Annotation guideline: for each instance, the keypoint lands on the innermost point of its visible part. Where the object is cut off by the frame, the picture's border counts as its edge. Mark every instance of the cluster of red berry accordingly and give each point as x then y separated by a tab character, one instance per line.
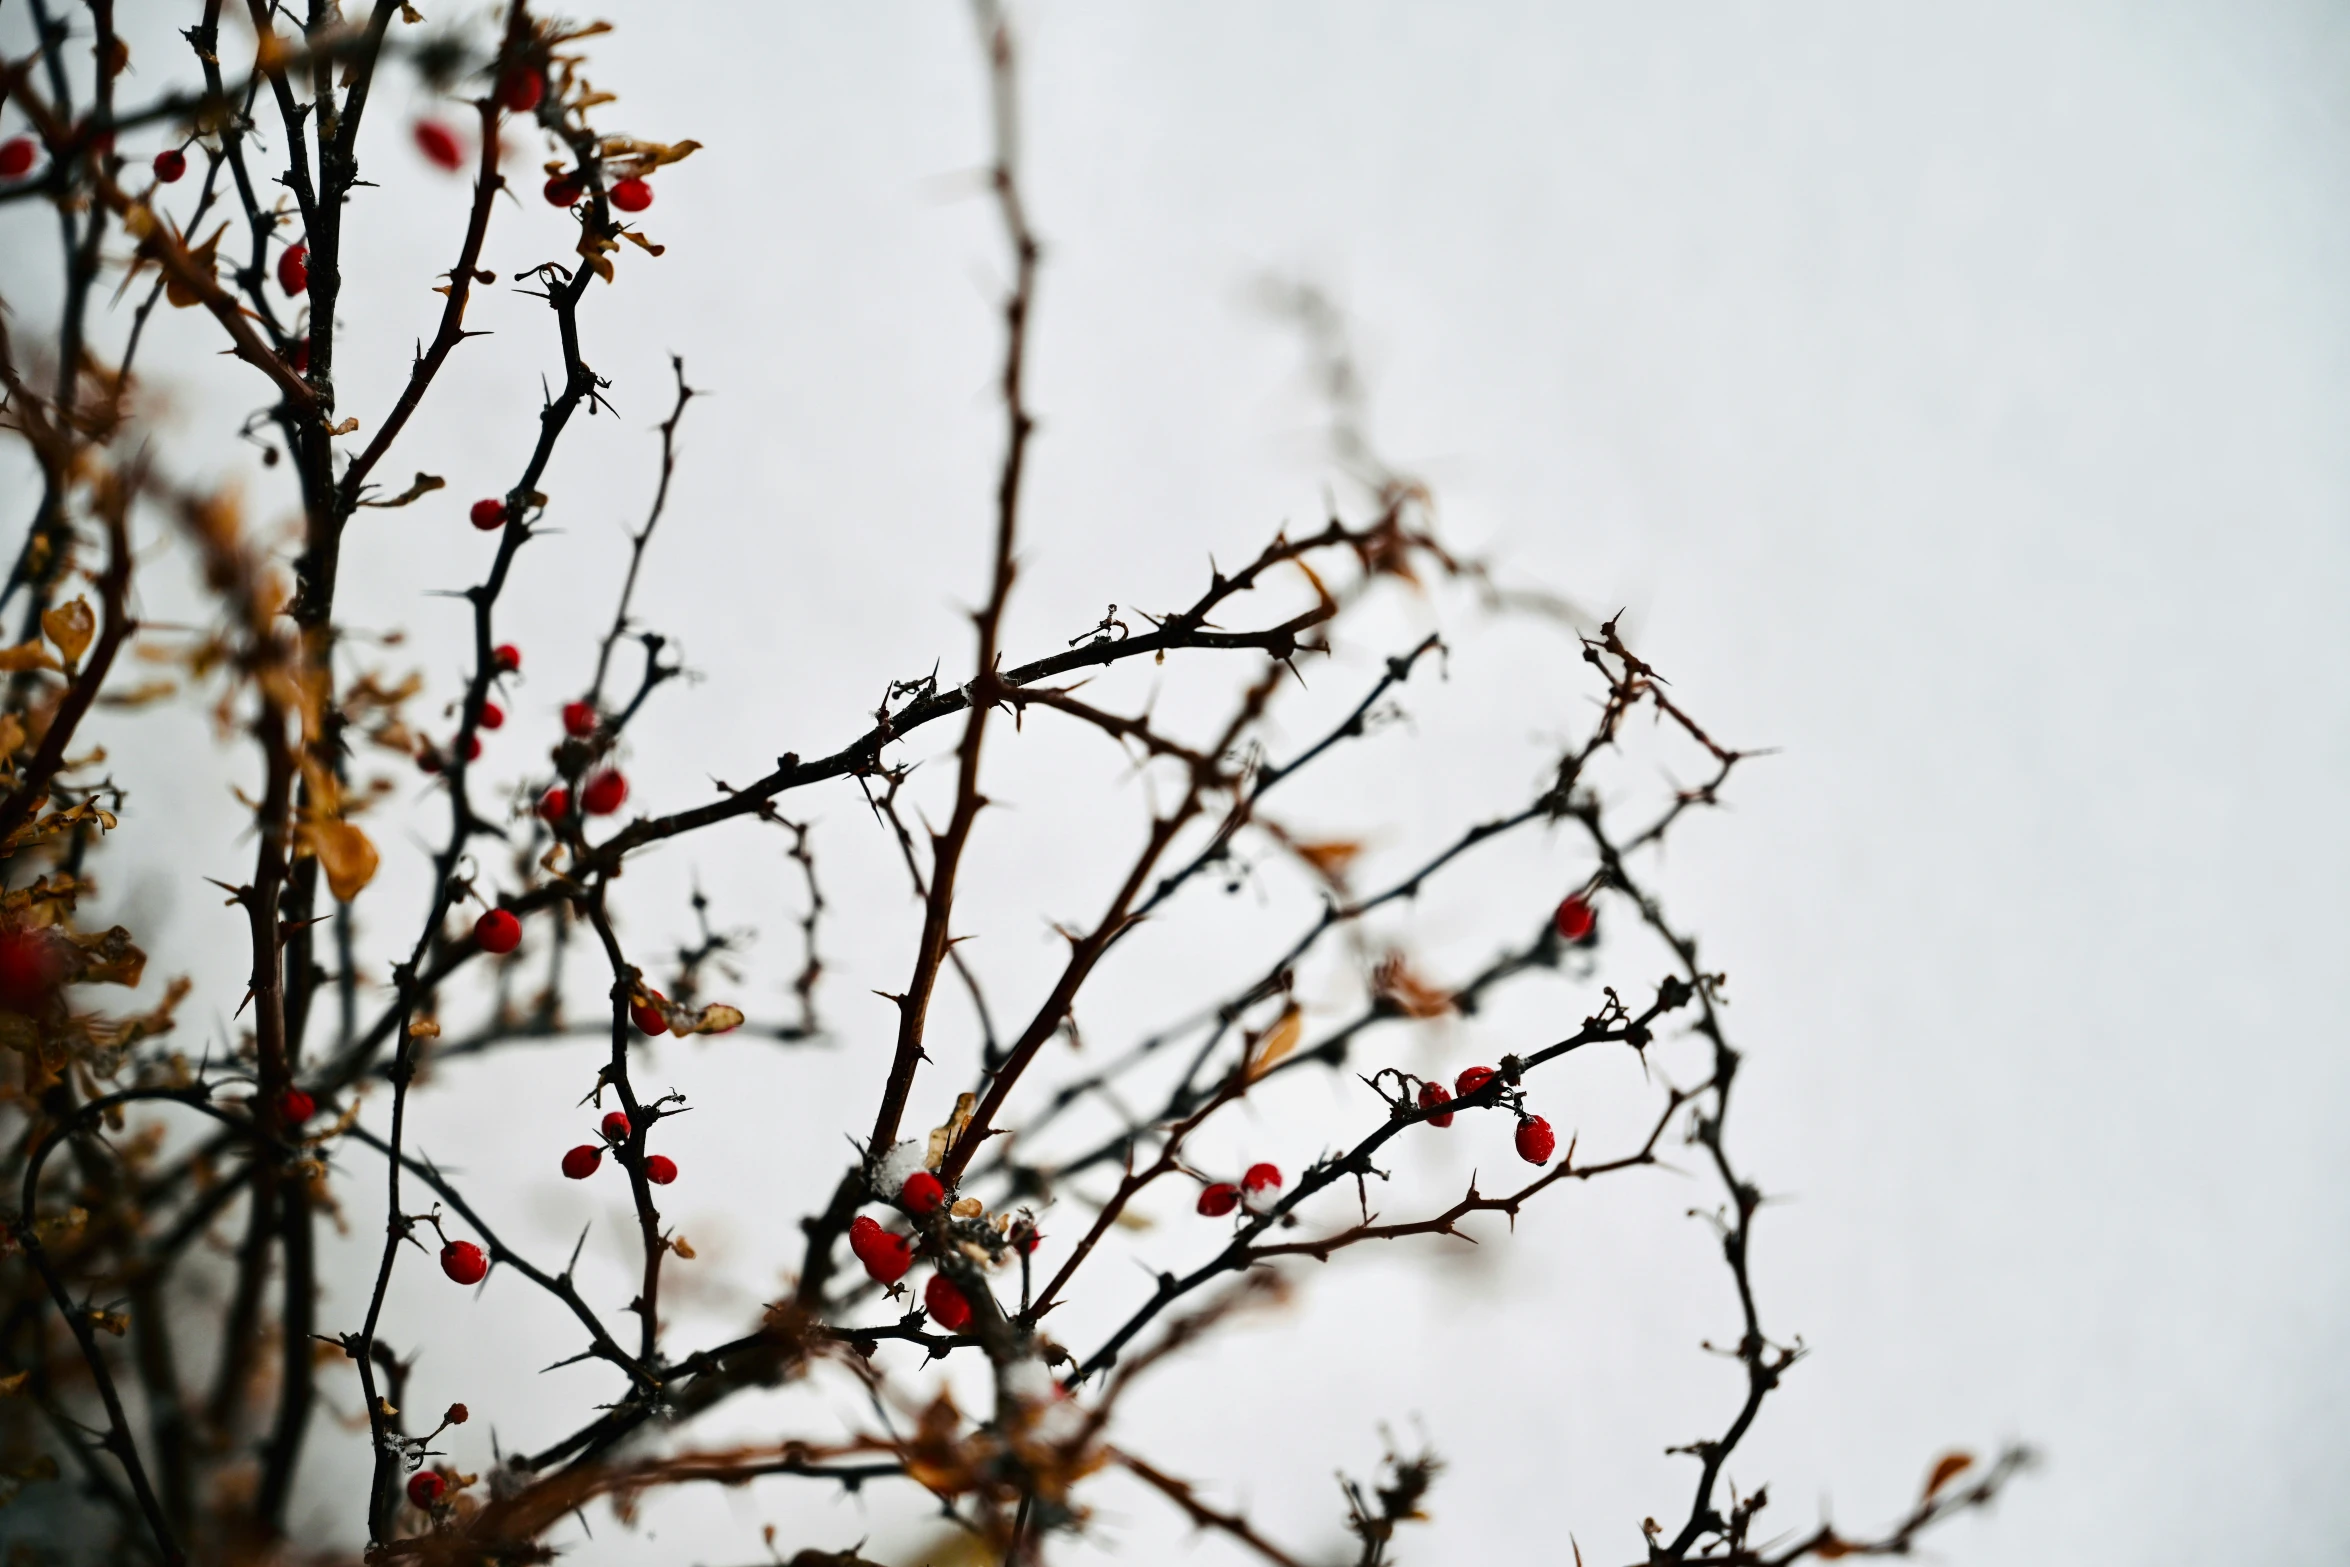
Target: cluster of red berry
582	1162
1536	1141
1221	1197
888	1256
605	790
17	155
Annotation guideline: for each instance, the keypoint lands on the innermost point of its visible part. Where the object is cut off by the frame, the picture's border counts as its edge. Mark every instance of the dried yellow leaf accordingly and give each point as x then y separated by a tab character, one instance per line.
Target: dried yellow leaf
346	855
25	655
1277	1041
715	1019
71	626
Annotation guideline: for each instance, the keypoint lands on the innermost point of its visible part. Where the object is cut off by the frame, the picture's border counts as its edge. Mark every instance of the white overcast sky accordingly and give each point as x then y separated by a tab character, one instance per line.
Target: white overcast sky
1954	397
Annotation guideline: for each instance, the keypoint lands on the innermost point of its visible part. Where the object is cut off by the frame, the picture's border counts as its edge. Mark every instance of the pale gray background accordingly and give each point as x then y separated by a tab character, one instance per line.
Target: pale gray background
1954	396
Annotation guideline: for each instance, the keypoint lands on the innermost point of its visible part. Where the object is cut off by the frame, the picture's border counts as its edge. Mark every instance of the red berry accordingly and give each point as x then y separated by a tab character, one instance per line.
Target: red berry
660	1169
458	1414
298	356
1473	1079
293	268
16	156
1575	919
555	803
564	190
425	1488
579	719
922	1192
428	760
473	748
170	164
605	793
581	1162
632	195
615	1127
492	716
1261	1177
1026	1240
294	1107
488	512
885	1254
521	89
498	931
648	1016
947	1306
32	966
438	144
1219	1199
507	657
464	1262
1536	1141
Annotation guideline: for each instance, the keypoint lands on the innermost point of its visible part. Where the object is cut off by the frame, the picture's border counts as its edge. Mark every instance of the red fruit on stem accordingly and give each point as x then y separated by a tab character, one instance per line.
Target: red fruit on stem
579	720
615	1127
947	1306
32	966
458	1414
498	931
581	1162
1219	1199
438	144
922	1192
294	1107
648	1016
170	164
428	760
492	716
632	195
1536	1141
521	89
1575	919
298	357
1026	1240
293	269
555	803
1473	1079
660	1169
464	1262
507	657
605	793
488	512
564	190
425	1488
473	748
886	1255
16	156
1261	1177
1436	1094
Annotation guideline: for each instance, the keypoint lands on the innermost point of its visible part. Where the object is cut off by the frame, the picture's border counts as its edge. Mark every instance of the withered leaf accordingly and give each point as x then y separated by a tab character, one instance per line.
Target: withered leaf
110	957
344	853
1946	1469
26	655
717	1018
1277	1041
71	626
